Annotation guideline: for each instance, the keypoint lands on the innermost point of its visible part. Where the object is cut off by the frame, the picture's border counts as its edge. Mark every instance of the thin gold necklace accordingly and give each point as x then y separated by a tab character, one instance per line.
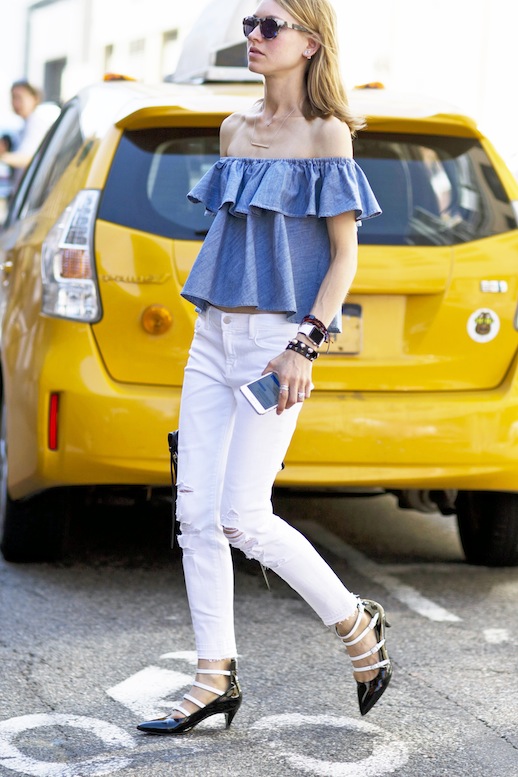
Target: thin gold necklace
254	142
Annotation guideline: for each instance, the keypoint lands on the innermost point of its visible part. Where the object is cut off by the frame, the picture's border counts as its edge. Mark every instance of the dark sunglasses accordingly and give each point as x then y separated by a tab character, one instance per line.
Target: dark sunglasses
268	26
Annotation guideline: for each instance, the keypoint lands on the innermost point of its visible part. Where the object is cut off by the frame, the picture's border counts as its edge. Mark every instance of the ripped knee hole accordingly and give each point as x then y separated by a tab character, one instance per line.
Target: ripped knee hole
232	533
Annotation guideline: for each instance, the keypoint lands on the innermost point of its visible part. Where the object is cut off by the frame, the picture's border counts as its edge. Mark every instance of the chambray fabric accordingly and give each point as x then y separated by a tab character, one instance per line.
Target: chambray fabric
268	245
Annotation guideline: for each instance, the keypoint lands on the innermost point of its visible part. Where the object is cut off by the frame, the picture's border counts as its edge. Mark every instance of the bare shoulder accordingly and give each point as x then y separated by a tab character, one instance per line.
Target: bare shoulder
228	129
334	137
233	121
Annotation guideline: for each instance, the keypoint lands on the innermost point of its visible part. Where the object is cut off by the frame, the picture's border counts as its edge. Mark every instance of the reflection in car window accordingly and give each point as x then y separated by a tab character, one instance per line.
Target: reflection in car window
64	144
159	167
433	190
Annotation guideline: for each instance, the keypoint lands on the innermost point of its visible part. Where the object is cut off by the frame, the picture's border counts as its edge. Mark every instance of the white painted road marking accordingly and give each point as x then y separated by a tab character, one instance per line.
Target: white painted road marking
388	755
13	758
496	636
182	655
405	593
145	692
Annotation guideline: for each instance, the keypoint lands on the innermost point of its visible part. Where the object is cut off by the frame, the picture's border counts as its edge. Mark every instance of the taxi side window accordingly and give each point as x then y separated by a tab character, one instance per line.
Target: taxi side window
62	146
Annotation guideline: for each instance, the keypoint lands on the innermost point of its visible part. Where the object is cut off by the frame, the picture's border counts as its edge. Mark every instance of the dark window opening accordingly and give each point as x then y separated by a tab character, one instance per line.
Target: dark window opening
232	56
52	78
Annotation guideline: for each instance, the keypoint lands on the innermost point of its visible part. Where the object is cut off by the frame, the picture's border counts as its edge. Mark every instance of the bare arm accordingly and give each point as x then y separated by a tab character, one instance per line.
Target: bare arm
15	159
342	268
293	369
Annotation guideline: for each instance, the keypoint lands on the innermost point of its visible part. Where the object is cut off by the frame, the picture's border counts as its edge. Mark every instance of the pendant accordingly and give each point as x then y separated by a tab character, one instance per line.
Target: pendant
259	145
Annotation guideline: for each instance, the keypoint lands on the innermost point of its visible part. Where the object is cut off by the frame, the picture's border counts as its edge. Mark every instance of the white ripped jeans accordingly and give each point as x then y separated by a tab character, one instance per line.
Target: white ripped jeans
228	457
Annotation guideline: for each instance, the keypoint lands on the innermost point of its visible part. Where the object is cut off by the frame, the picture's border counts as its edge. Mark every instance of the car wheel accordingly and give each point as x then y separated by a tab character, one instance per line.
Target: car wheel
30	529
488	527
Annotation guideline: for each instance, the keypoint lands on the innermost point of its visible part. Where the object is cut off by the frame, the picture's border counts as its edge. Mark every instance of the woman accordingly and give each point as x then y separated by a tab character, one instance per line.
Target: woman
38	117
272	274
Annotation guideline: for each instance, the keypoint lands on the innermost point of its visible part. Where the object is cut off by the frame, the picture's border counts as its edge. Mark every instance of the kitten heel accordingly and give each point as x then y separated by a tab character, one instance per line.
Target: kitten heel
370	691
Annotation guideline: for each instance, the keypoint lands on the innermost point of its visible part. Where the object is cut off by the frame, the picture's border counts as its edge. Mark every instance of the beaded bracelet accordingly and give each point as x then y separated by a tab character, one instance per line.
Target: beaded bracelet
305	350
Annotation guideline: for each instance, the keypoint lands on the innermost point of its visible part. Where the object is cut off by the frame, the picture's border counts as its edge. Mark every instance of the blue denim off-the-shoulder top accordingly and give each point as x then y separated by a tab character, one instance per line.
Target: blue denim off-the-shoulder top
268	245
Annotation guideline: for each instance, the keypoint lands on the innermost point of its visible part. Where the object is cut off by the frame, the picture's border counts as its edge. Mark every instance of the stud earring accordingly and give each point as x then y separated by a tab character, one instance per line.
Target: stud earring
307	54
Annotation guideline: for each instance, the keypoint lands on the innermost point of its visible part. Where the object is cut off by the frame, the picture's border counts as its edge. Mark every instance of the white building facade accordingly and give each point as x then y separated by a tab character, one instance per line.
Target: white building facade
67	44
462	51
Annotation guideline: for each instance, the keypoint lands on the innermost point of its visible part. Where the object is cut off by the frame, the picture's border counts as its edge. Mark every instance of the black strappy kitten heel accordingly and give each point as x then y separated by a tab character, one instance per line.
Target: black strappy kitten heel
369	691
227	703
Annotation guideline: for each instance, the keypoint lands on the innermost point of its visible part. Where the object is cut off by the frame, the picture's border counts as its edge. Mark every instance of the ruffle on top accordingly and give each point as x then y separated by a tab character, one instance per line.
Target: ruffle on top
268	245
321	187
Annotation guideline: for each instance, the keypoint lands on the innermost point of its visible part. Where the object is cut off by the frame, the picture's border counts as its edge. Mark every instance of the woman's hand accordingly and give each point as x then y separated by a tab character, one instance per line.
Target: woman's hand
294	372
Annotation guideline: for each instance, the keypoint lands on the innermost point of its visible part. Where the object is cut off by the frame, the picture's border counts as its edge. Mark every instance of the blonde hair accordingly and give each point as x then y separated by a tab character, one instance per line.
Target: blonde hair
326	95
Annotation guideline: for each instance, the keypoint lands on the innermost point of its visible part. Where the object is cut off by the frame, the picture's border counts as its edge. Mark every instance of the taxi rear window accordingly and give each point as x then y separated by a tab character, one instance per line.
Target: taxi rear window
433	190
151	174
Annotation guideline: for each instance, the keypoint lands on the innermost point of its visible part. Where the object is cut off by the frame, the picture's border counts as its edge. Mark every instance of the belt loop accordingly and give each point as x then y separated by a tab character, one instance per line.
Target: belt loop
211	317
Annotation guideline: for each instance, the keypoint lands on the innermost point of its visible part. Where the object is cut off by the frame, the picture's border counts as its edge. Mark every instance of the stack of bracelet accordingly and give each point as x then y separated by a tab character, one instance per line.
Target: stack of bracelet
318	332
315	331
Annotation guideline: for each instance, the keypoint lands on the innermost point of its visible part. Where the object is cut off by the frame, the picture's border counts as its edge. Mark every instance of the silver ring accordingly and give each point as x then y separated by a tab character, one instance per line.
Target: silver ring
301	396
284	387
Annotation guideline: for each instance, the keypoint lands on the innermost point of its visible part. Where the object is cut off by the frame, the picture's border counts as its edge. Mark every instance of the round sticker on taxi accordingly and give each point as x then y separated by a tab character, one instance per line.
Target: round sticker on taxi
483	325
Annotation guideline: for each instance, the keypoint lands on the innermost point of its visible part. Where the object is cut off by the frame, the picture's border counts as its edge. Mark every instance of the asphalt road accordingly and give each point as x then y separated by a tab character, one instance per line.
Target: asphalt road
92	645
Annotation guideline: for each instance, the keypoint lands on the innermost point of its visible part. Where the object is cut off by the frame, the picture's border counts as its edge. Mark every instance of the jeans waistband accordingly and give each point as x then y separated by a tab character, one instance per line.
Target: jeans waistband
243	322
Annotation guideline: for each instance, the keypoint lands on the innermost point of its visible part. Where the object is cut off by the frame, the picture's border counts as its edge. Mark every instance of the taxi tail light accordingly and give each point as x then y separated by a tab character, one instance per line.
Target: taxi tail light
53	422
70	288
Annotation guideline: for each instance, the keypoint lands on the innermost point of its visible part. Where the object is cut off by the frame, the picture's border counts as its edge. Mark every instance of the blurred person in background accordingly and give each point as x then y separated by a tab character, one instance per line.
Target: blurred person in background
38	117
6	176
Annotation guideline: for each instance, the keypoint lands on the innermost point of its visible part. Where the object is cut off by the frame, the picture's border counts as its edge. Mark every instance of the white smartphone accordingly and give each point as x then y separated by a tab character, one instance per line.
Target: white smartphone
263	393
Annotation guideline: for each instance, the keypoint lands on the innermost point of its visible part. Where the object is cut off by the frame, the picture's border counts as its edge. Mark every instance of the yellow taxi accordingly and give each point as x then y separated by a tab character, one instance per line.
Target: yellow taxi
418	395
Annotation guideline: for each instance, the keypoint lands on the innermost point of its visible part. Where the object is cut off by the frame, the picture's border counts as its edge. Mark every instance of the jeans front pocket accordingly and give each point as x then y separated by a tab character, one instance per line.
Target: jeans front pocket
274	339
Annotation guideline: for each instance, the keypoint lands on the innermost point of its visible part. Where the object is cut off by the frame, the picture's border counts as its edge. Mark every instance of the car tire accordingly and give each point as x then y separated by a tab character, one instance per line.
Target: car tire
488	527
31	529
